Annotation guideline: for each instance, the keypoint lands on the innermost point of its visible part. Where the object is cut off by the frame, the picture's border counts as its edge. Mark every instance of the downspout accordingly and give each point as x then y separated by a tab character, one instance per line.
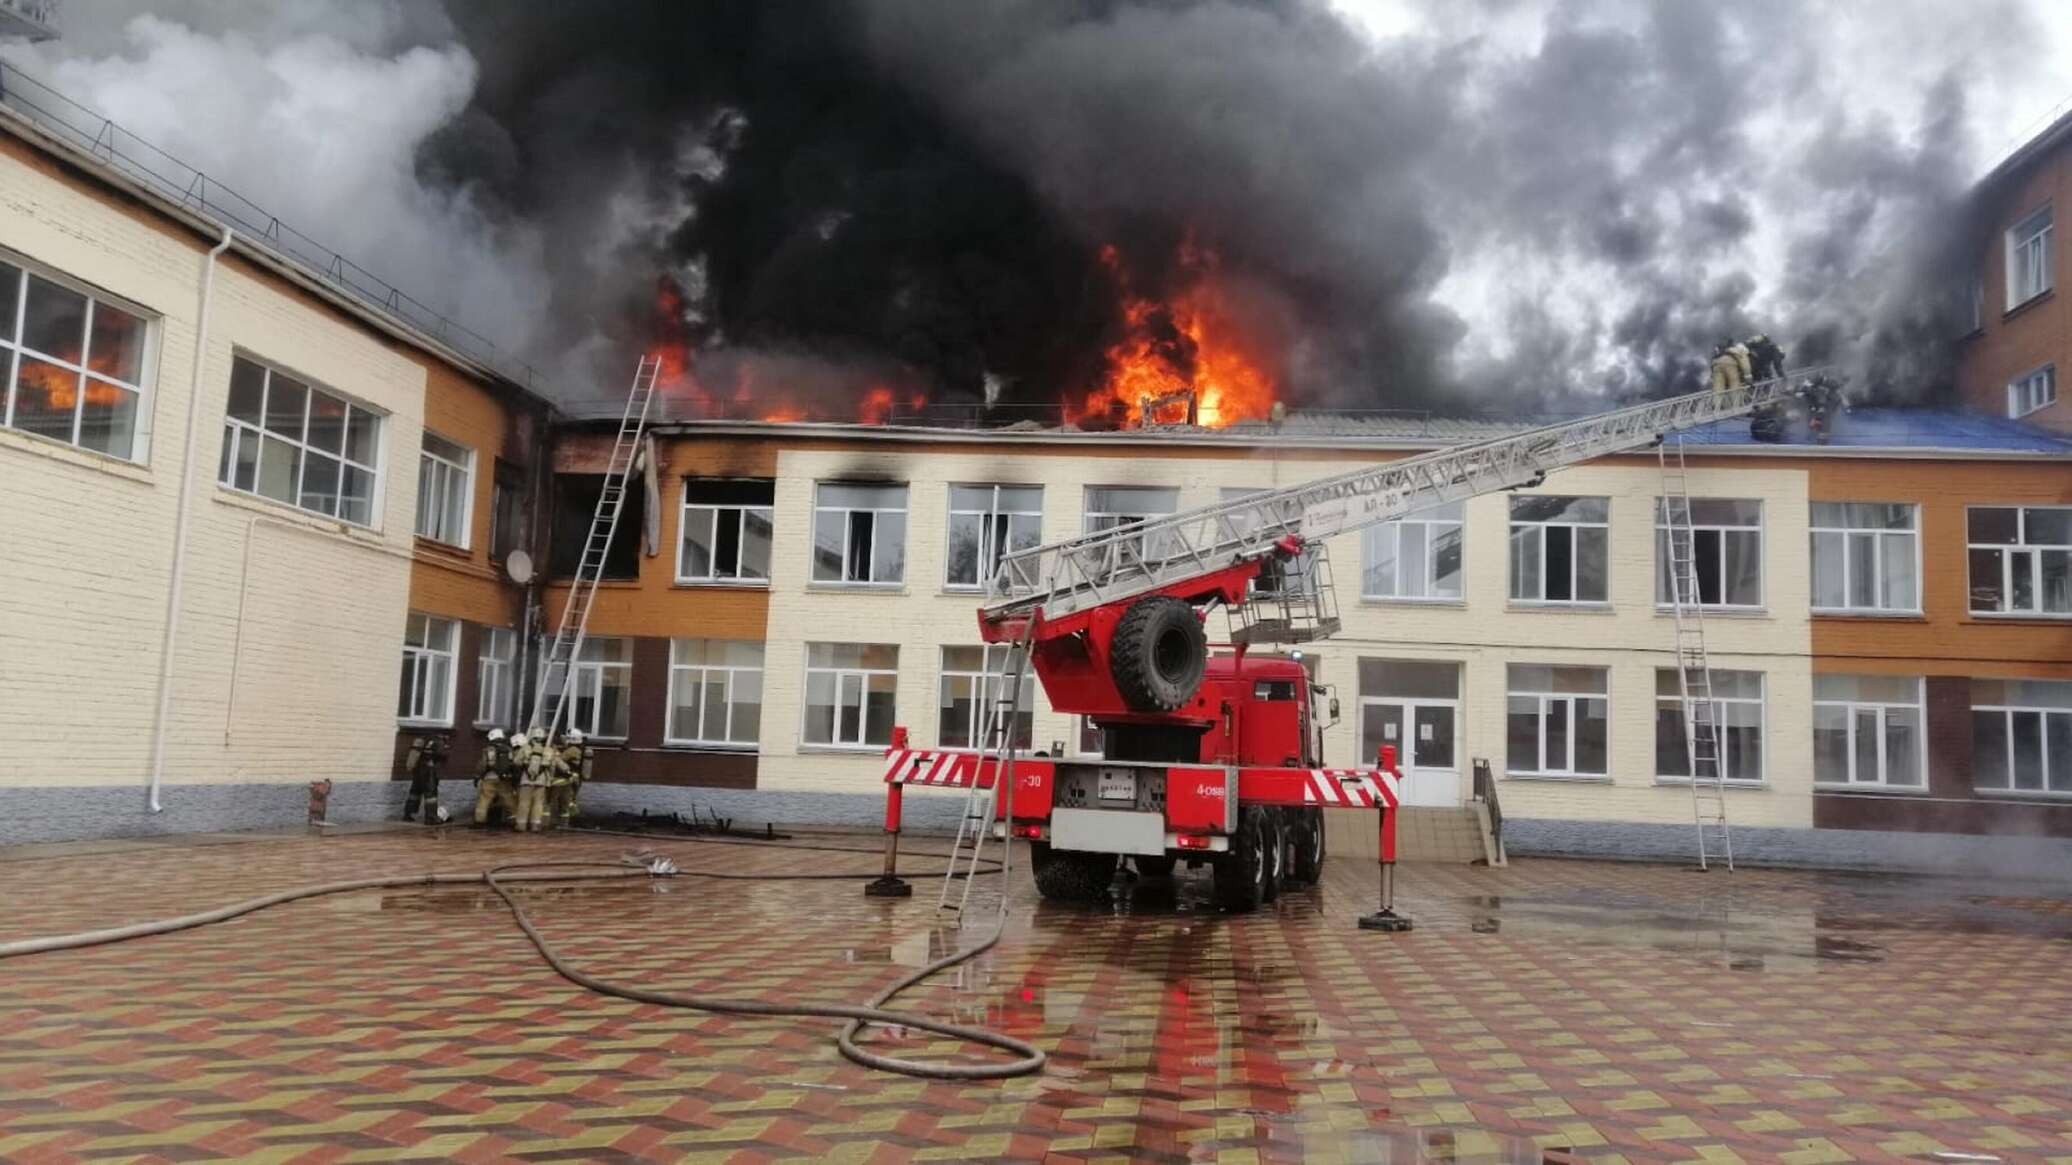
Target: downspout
182	520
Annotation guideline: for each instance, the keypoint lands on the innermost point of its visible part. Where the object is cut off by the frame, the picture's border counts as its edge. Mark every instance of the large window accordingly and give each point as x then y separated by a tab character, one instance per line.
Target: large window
1866	557
2037	390
850	693
2021	560
445	490
1557	721
1417	557
2029	259
964	701
726	532
987	522
74	364
1737	697
2021	735
1560	550
859	534
1726	549
576	500
715	692
1867	730
297	444
1109	506
601	688
495	675
429	646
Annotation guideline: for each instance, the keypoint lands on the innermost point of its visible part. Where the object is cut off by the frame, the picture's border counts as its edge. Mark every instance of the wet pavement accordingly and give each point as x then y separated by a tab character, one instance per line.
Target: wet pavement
1552	1010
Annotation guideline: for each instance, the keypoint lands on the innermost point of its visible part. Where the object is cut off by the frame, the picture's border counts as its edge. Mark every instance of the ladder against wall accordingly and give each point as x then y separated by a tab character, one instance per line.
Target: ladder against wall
1702	745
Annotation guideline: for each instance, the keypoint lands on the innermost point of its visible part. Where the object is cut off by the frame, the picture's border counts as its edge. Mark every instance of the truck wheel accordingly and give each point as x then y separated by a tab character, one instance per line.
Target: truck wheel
1159	654
1241	876
1071	875
1309	847
1273	839
1155	867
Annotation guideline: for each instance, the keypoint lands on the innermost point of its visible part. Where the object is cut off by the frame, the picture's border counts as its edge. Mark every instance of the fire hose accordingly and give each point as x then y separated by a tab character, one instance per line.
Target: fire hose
500	878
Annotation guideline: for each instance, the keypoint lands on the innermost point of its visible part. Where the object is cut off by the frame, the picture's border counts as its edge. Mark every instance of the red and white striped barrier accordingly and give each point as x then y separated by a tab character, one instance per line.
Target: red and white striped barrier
1352	788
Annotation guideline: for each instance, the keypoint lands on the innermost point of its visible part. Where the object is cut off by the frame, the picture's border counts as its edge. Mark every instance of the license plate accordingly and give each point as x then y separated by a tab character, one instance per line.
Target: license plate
1117	787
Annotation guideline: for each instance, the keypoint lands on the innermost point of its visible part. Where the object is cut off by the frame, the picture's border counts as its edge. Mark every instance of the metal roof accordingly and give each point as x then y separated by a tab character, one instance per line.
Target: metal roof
1909	430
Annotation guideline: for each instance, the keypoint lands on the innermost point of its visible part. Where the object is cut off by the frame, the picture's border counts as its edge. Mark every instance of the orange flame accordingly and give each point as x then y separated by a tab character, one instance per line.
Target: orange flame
1188	344
60	387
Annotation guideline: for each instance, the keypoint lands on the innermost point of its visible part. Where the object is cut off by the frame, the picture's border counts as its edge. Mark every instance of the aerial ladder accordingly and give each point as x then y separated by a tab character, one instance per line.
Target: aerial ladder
1216	759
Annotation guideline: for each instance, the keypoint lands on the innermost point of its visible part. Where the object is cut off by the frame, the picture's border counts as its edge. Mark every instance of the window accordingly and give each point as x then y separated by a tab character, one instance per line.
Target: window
1866	557
495	694
445	490
1976	294
1738	697
576	496
1557	721
726	532
1726	550
1867	730
2021	735
297	444
1109	506
850	689
2028	259
2037	390
2021	560
600	687
1560	549
859	534
715	692
1415	557
1091	740
429	646
987	522
507	512
964	701
74	365
1412	706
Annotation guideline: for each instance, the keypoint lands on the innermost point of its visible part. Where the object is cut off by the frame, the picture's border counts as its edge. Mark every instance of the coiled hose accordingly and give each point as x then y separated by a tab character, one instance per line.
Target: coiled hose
1028	1059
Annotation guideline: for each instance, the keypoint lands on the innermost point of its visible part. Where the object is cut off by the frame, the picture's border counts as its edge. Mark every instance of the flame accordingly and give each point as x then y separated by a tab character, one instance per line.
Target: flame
1187	344
60	387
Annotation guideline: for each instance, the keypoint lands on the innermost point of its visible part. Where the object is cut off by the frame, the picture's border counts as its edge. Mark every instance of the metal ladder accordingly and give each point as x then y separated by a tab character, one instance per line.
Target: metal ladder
550	703
981	804
1693	666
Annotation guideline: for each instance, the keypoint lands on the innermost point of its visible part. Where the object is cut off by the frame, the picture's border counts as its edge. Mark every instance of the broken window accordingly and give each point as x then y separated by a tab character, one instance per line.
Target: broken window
575	504
1726	550
726	531
859	534
1560	549
987	522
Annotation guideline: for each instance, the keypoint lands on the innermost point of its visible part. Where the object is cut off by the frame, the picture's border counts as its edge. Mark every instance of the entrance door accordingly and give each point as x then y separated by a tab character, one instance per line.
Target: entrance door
1423	733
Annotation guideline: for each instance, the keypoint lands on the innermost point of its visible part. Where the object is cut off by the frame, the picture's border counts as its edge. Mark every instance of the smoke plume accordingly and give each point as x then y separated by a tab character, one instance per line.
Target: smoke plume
1496	204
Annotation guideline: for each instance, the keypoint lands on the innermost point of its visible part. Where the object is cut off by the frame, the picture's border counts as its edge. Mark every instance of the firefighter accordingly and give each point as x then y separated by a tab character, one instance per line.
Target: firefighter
495	789
1730	366
422	763
535	774
569	776
1766	359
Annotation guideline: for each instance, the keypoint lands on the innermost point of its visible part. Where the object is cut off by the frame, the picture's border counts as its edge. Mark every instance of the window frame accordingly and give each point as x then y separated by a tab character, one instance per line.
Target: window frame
2043	714
2003	551
1849	709
1430	529
1570	773
604	669
421	658
2020	237
863	743
1762	728
445	467
904	510
741	512
1092	521
1574	559
992	655
1759	530
988	552
494	674
236	431
678	670
1877	534
12	350
2019	394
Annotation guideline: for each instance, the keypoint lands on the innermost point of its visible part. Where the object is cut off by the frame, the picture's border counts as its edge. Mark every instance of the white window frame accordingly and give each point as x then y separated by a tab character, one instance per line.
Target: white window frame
589	675
2030	239
237	431
1876	534
1093	521
2007	553
1762	728
439	480
736	512
992	521
862	676
2008	712
878	513
1429	530
1575	559
681	672
13	350
1881	709
2032	391
1545	699
496	666
429	707
1757	531
1977	294
983	684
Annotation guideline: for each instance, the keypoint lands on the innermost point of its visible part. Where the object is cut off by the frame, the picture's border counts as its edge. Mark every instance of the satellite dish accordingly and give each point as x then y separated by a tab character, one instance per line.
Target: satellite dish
519	566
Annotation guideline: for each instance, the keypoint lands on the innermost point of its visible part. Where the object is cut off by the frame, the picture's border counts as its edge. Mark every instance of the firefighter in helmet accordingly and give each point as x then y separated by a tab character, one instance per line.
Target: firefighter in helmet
535	775
1730	366
1766	359
422	763
495	789
569	776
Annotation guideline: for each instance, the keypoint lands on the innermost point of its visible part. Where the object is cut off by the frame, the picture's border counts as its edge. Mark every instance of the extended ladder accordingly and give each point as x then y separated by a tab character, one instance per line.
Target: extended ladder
1004	700
550	703
1702	745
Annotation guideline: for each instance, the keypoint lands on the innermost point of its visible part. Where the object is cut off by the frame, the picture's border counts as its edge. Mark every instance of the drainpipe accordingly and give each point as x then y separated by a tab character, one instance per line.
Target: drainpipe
183	518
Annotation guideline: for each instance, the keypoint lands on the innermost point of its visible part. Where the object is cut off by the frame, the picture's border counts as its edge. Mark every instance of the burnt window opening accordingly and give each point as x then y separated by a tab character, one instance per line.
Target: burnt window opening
508	512
575	503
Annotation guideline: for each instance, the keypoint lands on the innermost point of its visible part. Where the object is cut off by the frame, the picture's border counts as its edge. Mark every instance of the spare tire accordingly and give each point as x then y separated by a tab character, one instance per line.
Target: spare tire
1159	655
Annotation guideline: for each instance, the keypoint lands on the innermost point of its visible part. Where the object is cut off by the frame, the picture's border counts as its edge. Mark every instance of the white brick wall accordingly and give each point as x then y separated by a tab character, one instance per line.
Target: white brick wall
88	541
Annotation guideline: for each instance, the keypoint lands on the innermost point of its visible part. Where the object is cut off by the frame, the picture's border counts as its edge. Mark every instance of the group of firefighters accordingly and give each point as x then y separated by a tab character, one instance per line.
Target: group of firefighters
1750	361
528	780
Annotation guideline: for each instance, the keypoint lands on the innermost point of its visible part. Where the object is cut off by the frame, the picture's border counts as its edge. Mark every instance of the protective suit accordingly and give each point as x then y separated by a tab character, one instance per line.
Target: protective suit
1766	359
569	776
535	776
422	763
1731	367
495	784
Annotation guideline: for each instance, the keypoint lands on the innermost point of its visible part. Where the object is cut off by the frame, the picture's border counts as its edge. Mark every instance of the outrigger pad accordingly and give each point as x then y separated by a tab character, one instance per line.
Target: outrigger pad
1385	920
887	887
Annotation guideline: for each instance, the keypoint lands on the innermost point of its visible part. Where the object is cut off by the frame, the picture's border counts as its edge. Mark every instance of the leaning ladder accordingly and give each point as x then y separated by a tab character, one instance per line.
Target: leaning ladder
550	704
1693	666
982	799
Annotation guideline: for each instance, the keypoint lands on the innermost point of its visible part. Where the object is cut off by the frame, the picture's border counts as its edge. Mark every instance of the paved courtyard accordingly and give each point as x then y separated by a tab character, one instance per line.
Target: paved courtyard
1619	1013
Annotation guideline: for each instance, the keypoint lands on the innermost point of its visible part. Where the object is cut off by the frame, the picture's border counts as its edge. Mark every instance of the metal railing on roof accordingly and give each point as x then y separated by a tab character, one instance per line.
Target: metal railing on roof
193	189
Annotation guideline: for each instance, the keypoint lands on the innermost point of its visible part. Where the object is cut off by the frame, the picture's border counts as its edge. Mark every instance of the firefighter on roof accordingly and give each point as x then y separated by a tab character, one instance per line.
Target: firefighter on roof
1730	366
1766	359
495	785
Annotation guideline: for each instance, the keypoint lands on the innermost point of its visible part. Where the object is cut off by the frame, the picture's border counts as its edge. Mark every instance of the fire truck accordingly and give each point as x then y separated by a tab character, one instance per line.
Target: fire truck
1213	754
